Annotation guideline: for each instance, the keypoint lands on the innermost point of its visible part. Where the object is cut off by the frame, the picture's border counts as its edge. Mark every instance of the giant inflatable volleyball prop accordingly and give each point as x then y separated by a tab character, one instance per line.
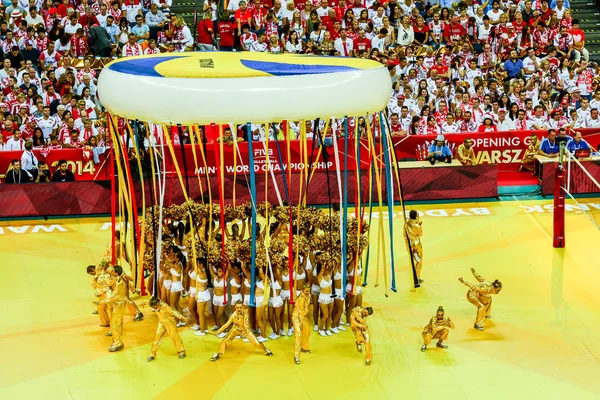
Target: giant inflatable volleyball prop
165	95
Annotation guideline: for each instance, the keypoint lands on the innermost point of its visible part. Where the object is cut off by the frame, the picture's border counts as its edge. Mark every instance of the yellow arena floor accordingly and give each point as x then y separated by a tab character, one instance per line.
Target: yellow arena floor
542	343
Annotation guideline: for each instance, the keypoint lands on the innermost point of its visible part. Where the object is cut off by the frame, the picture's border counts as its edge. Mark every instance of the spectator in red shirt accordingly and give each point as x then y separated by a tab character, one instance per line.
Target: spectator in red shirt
78	44
362	44
226	33
454	32
242	16
88	19
206	33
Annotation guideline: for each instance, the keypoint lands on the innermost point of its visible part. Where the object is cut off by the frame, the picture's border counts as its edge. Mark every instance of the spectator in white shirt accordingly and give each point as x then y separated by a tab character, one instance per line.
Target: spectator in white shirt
15	142
344	45
531	63
449	126
504	124
593	120
538	121
378	42
259	45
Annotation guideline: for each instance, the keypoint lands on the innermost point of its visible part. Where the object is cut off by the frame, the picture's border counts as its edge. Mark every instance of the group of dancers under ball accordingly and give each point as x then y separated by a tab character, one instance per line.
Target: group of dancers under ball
204	274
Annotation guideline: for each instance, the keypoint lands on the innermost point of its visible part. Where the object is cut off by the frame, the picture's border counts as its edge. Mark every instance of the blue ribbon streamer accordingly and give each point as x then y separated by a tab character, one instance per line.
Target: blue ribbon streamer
345	210
390	197
253	223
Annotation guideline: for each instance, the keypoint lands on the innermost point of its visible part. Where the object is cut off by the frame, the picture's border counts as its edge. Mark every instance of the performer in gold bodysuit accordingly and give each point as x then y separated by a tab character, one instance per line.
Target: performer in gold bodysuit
118	300
240	326
101	283
300	323
167	323
479	295
528	160
358	324
413	231
465	153
437	328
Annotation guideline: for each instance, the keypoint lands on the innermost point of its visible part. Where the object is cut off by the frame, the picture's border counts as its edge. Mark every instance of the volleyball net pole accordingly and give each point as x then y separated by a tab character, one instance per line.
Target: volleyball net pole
558	238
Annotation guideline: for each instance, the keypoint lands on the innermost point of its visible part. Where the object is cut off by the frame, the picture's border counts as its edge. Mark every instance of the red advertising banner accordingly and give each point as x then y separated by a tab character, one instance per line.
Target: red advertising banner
503	148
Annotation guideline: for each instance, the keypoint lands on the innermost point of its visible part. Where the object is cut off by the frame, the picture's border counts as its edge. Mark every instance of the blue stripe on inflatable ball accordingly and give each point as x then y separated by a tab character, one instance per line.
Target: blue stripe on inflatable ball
141	66
281	69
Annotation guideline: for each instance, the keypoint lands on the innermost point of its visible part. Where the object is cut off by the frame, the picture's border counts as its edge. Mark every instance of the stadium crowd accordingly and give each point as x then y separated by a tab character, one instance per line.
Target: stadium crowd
455	67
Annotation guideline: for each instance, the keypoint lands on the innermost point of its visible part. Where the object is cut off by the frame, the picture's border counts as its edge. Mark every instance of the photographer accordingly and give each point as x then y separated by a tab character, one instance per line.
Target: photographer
43	173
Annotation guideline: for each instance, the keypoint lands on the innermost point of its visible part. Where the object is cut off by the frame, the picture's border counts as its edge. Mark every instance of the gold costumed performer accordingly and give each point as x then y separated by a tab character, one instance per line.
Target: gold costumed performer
240	326
101	283
358	324
118	300
437	328
300	323
479	295
167	323
413	231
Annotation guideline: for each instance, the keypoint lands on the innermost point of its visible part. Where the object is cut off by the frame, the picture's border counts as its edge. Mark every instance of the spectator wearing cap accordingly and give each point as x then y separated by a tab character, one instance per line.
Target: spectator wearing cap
30	53
14	10
557	120
439	151
504	123
488	124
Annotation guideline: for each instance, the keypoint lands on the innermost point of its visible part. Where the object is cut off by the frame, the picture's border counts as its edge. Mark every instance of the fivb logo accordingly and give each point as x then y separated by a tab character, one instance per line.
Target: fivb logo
262	153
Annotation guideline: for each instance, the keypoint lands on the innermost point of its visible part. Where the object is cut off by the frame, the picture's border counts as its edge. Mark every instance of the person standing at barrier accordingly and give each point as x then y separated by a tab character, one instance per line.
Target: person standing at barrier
360	328
437	328
413	232
479	295
29	162
167	323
